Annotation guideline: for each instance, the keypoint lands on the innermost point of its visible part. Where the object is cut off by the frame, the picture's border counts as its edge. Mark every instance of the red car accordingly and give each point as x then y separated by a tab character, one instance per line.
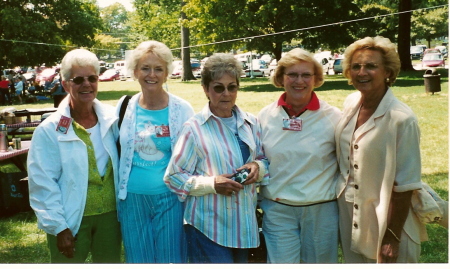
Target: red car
110	75
46	76
433	60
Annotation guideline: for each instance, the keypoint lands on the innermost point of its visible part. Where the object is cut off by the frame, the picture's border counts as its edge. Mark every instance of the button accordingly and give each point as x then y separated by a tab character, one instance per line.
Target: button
356	187
355	147
355	206
355	166
355	225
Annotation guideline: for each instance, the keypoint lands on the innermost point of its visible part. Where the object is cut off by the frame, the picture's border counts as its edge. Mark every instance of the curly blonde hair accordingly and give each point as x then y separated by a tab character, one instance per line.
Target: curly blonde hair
293	57
391	60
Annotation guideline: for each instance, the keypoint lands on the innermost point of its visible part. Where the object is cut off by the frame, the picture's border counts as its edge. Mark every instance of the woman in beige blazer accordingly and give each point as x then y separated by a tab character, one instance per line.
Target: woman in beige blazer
378	151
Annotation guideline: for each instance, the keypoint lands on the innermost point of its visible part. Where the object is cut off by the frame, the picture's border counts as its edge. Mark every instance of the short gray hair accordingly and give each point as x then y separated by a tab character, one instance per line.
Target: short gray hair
78	57
219	64
157	48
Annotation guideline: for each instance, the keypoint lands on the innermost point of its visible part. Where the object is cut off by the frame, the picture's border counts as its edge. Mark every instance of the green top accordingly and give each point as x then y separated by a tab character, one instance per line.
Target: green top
100	195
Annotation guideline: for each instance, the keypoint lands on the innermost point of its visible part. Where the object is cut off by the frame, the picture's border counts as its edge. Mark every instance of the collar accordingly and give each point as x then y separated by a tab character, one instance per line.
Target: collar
312	105
242	116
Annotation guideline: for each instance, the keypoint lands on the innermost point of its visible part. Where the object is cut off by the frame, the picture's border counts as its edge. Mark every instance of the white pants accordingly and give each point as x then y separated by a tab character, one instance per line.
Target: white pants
300	234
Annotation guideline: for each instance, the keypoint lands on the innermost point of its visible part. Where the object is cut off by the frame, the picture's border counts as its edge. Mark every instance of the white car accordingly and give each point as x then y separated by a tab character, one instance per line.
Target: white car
260	69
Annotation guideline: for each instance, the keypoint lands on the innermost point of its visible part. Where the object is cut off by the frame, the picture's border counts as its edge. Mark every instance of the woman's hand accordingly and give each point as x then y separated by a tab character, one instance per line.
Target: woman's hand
254	172
389	249
226	186
66	243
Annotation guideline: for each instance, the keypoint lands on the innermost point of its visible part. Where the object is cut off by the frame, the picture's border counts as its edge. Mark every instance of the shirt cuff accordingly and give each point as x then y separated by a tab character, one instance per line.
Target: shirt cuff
408	187
202	186
262	170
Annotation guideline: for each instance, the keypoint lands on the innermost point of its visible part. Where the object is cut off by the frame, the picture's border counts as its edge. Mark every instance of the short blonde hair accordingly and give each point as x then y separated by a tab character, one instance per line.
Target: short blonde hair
294	57
157	48
389	55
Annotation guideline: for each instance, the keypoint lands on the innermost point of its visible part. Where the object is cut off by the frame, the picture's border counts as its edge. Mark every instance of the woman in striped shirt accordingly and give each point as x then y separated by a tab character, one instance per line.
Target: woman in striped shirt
220	221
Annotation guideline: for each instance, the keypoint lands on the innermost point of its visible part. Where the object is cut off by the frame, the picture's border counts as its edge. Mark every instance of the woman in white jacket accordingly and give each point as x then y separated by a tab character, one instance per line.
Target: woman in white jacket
72	169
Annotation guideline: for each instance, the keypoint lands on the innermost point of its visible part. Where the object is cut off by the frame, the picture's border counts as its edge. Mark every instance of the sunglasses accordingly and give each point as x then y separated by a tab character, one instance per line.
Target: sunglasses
221	88
80	80
369	66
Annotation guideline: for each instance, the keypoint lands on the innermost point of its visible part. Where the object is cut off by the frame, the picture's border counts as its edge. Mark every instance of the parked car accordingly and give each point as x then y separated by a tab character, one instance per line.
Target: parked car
47	75
337	66
177	72
416	52
431	51
110	75
324	58
260	69
443	50
196	67
433	60
272	66
424	47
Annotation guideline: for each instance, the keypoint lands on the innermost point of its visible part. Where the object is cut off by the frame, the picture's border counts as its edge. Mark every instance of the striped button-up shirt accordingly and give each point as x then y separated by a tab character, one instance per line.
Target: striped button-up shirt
207	148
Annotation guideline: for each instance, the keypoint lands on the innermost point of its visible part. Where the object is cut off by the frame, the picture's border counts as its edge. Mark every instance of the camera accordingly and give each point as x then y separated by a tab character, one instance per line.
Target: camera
241	176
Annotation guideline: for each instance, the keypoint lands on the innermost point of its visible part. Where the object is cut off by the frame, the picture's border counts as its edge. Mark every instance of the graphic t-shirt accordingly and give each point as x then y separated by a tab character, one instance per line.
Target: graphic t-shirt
152	152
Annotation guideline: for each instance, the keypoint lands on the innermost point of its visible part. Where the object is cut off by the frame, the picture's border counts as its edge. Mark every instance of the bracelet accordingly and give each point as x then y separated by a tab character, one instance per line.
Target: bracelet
396	237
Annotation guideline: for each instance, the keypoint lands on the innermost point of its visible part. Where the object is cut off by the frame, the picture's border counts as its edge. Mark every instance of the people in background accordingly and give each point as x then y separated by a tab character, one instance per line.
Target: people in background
220	220
19	88
57	91
300	222
379	158
73	170
151	216
4	91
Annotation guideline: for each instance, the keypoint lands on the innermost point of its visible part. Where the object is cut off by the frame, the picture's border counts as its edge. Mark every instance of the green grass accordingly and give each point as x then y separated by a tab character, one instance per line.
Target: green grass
22	242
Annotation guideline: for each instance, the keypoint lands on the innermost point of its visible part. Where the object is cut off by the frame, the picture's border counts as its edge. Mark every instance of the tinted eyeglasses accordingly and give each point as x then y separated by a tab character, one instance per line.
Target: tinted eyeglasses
80	80
369	66
305	76
221	88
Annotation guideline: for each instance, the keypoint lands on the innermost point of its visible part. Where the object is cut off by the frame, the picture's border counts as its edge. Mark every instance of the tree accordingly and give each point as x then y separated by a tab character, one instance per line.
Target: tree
185	50
404	34
161	20
34	32
265	25
430	24
106	45
116	24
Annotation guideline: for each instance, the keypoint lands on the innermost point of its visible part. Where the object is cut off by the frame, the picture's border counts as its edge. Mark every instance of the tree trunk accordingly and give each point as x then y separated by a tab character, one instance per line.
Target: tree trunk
278	50
186	75
404	35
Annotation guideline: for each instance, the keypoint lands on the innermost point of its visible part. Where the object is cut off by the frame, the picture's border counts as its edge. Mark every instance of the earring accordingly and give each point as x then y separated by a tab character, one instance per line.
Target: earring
386	80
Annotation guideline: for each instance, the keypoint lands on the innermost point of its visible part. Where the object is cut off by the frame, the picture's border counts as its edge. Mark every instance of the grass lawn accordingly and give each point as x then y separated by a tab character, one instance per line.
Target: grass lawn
22	242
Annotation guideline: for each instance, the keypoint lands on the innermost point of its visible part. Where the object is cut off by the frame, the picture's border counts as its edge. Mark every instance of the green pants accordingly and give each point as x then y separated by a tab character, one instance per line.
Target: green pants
98	234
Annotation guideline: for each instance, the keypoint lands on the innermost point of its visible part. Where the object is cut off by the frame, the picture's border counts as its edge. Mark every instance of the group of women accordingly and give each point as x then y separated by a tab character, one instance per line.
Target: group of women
169	193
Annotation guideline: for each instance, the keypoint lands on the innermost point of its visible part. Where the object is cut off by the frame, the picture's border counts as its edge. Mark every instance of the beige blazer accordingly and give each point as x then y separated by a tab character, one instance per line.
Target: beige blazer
386	155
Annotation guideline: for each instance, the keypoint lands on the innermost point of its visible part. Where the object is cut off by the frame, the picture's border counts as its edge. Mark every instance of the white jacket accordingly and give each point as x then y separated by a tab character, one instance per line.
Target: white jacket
58	169
179	112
